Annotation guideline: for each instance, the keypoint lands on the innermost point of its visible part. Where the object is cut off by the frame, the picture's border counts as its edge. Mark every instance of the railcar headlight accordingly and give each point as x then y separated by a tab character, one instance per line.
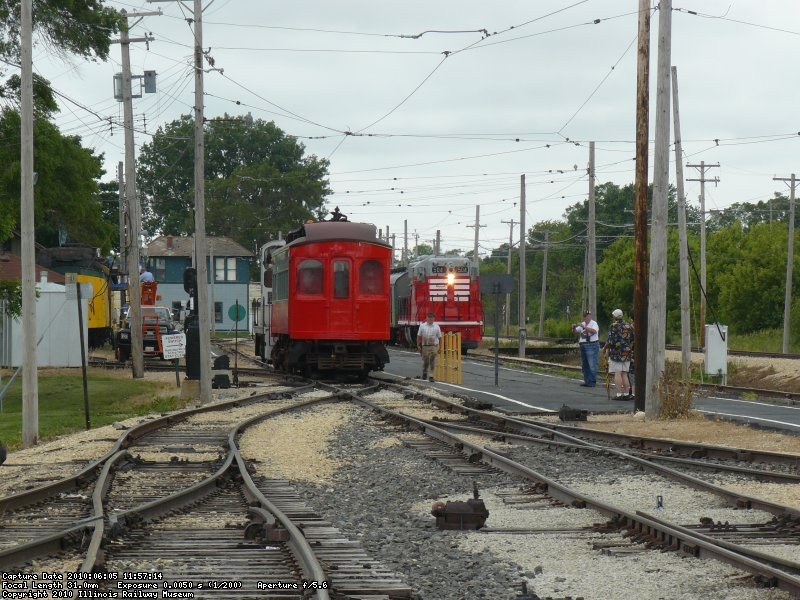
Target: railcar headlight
451	278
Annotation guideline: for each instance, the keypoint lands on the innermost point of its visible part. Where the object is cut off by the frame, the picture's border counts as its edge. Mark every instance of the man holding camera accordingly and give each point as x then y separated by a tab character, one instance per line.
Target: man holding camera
589	344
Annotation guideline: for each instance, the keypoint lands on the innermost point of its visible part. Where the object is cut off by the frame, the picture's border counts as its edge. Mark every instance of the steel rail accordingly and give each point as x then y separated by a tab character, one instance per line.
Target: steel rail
776	476
754	554
126	439
98	502
666	535
310	566
741	500
792	566
98	472
698	449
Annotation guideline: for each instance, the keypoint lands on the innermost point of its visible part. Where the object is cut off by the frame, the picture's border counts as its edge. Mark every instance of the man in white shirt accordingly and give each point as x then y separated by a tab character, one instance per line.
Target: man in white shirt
428	337
590	348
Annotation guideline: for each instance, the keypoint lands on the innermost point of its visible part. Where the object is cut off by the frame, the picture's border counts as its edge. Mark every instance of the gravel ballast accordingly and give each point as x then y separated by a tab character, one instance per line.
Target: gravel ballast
381	494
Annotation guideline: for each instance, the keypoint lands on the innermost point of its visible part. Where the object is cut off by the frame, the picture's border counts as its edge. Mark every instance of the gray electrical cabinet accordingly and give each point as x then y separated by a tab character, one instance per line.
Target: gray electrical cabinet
716	358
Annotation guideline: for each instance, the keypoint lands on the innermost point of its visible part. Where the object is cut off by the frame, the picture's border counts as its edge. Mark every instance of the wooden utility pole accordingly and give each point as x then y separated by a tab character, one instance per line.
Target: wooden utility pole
656	332
123	212
640	207
30	363
703	166
523	331
405	243
200	210
508	272
477	227
591	242
438	243
132	200
686	342
544	283
787	300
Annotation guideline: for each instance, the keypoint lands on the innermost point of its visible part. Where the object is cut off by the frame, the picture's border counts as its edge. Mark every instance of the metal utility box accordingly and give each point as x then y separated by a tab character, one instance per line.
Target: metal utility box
716	357
149	82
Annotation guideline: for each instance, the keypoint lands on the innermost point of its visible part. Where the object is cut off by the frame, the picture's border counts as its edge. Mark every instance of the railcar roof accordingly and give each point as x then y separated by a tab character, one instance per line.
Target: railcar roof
339	230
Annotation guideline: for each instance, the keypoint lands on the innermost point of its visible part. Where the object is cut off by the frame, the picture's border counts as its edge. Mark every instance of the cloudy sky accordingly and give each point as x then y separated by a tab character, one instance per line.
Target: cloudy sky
426	110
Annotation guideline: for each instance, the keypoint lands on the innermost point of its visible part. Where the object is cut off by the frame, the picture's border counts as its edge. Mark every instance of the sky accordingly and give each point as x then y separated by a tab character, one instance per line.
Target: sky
427	110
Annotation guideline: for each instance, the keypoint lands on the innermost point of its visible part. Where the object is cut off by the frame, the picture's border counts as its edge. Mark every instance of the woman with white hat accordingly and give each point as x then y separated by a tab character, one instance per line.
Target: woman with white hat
620	348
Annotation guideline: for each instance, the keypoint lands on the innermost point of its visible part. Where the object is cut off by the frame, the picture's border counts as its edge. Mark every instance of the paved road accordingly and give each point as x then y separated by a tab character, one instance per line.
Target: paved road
519	391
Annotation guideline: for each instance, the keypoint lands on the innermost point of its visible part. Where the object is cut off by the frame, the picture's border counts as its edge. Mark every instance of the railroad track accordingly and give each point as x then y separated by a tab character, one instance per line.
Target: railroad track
706	536
173	507
178	496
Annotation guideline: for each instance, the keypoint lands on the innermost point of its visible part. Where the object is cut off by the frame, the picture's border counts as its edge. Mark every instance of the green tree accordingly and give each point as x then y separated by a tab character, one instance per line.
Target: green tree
748	214
66	191
748	275
565	257
80	27
255	175
11	297
66	187
421	250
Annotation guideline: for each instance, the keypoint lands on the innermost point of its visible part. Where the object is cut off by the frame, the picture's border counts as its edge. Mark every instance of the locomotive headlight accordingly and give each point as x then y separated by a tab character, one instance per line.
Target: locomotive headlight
451	279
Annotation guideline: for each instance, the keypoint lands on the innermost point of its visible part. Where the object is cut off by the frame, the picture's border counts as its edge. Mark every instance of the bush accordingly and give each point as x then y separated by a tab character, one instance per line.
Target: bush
675	394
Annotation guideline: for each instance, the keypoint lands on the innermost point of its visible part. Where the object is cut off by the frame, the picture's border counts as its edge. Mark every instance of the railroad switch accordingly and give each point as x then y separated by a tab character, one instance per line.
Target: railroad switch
471	514
264	527
525	595
567	413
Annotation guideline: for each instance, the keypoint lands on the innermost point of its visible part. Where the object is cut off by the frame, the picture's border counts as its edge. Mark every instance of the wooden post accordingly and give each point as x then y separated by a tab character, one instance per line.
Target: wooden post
686	342
656	332
640	208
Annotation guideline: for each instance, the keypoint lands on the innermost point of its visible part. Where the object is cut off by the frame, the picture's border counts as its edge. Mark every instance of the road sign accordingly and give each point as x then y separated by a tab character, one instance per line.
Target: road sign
173	345
236	312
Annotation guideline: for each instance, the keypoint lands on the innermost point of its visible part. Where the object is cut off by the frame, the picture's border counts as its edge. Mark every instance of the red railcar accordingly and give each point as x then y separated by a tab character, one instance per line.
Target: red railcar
447	285
329	309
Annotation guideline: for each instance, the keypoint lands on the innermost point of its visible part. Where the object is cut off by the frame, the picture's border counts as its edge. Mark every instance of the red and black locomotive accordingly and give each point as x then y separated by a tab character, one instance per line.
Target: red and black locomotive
448	286
325	300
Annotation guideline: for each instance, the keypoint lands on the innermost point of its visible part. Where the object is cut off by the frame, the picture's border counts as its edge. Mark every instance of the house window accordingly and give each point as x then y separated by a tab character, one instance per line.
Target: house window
224	268
217	312
158	267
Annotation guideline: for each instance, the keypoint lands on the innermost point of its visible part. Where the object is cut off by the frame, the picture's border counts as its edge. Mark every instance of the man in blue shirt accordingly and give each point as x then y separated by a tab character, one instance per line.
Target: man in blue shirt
145	275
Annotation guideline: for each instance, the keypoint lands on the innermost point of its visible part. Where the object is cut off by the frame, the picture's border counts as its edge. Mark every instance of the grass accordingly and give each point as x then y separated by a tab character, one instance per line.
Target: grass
61	402
766	340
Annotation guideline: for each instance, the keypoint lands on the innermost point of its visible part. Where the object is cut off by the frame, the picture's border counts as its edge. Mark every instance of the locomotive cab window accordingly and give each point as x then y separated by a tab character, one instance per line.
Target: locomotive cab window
309	277
370	277
341	279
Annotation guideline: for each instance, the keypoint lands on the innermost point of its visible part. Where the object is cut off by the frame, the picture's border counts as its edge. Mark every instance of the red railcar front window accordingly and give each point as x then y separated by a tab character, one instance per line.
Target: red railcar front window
370	277
309	277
